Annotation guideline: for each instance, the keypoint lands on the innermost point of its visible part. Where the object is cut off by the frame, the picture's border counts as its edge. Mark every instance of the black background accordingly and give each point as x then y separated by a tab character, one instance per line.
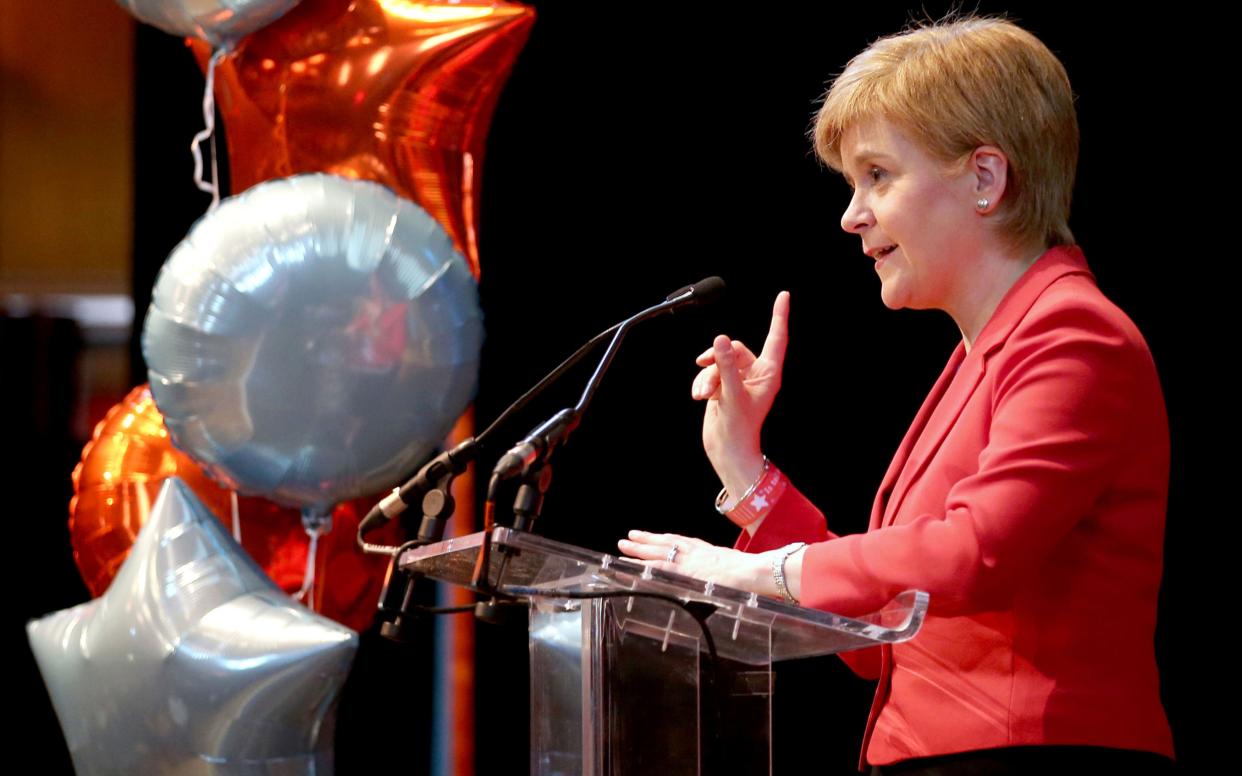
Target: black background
635	150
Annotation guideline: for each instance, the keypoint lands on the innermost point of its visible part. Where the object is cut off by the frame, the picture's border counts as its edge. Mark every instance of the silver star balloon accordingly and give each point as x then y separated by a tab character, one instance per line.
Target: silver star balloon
193	661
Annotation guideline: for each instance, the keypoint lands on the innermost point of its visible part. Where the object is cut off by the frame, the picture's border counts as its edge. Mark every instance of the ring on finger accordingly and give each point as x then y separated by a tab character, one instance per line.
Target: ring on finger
671	556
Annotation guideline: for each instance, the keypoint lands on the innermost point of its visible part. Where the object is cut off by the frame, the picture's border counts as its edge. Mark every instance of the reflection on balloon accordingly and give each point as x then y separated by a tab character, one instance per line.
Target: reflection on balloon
120	475
219	22
313	339
394	91
193	662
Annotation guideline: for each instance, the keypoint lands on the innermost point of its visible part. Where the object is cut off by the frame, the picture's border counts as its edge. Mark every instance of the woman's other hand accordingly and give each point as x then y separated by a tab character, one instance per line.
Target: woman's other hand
696	558
739	389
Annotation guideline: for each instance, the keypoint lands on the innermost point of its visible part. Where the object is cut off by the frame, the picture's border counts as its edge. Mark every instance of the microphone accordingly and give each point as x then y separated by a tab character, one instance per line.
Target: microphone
546	436
441	469
539	443
453	462
706	291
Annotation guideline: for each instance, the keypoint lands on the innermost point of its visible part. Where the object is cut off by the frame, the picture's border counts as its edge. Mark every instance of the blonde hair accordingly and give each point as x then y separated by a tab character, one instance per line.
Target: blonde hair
958	84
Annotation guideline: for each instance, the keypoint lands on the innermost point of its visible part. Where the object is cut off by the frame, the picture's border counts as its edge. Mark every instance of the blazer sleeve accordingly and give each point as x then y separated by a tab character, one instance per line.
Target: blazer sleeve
793	518
1060	413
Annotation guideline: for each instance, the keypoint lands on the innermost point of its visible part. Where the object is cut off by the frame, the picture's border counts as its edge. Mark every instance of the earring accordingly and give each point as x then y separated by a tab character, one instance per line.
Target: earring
983	203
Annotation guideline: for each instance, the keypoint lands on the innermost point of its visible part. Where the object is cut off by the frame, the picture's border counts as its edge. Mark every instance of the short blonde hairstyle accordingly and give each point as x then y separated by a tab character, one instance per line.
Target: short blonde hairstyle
955	85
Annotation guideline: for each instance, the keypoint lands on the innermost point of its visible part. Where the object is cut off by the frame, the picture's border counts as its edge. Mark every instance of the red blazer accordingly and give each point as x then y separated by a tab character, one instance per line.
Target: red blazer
1028	498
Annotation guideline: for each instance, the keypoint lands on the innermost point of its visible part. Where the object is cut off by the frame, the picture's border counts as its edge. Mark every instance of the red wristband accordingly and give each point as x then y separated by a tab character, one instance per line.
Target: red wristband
757	500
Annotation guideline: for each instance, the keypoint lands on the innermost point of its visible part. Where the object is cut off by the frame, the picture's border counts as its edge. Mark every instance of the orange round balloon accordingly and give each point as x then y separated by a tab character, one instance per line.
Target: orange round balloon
393	91
119	477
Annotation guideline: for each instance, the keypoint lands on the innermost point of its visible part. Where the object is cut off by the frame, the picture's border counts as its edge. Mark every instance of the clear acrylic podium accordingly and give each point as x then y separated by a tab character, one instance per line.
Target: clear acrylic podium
627	682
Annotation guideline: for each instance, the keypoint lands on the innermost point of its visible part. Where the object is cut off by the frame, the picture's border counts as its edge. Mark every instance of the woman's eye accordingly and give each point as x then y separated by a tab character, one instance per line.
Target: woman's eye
875	174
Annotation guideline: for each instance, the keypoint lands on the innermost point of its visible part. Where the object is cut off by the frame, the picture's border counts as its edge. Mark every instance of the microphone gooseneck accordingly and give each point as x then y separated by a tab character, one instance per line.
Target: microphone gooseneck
429	487
539	443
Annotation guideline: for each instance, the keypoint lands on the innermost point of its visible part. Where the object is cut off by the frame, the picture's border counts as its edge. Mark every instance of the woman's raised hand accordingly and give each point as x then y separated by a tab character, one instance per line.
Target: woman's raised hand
739	388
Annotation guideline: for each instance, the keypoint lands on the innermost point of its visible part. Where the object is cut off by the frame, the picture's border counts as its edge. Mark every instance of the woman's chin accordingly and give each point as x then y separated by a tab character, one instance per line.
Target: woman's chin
891	298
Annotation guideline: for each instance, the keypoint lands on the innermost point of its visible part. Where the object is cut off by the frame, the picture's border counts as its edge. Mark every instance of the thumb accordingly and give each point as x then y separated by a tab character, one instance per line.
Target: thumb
726	363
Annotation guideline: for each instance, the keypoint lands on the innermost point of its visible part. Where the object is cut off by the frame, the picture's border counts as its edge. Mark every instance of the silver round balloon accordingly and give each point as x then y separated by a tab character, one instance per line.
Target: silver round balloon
219	22
313	339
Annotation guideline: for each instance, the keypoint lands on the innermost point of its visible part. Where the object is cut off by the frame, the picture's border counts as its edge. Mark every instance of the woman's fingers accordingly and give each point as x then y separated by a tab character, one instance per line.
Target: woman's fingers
643	551
778	332
706	383
692	557
658	539
726	360
666	540
655	547
663	551
745	357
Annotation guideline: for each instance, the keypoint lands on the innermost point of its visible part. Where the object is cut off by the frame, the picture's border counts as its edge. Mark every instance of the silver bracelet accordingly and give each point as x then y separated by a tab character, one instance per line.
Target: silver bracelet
723	495
778	569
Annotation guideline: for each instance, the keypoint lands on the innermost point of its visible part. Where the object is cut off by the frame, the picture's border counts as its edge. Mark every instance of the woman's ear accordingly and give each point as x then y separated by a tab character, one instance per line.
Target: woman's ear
990	168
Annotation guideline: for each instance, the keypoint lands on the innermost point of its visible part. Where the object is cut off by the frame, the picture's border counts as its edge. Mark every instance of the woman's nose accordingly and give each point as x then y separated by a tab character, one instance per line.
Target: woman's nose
857	215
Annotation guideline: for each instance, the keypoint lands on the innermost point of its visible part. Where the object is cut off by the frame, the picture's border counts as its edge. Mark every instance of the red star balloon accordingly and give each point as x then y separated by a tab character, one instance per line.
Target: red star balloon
393	91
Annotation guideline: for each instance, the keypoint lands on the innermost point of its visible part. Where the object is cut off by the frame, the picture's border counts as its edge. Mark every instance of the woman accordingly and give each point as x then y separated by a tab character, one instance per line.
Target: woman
1028	496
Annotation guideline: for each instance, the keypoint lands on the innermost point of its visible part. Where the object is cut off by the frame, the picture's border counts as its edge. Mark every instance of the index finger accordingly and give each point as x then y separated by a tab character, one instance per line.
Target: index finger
778	333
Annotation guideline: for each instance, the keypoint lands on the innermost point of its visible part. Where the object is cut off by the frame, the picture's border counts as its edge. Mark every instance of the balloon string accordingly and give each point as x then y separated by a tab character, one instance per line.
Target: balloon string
236	517
316	525
209	119
307	594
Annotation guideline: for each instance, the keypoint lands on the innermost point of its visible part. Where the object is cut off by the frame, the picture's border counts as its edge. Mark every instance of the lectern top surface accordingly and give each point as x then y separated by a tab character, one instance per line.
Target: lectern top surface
745	626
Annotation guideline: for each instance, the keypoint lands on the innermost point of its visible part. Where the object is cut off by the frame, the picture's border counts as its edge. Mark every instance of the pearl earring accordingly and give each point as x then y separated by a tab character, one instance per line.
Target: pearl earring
983	203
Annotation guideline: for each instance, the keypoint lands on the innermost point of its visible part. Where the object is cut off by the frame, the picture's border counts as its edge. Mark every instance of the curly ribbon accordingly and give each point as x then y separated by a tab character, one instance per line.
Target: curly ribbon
212	187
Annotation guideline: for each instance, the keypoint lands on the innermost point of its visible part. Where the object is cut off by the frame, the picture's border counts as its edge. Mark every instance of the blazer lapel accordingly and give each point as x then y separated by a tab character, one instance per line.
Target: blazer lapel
883	497
943	407
962	376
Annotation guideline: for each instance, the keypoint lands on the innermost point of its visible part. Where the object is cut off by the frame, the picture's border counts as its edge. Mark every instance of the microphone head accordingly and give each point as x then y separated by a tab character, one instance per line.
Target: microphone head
705	291
708	290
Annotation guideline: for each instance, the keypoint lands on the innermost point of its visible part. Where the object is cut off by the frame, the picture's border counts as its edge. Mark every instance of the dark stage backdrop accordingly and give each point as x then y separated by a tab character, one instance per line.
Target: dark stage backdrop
634	151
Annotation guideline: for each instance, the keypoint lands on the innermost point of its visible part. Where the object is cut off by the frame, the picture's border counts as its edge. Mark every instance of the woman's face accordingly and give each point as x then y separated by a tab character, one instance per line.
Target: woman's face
914	214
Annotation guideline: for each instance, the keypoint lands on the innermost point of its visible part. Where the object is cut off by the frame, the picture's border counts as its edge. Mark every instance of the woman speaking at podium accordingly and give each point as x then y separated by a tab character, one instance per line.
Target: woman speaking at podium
1028	496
